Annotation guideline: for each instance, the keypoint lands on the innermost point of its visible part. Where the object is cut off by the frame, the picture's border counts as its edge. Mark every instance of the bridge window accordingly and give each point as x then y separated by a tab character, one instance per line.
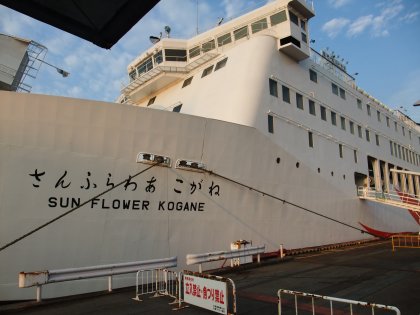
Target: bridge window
278	18
145	66
342	93
224	40
158	58
377	139
240	33
359	130
368	109
294	18
132	75
359	104
175	55
194	52
259	26
311	139
207	46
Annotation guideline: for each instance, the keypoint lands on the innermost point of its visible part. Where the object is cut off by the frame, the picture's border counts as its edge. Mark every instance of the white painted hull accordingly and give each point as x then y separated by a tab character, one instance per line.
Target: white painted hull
67	138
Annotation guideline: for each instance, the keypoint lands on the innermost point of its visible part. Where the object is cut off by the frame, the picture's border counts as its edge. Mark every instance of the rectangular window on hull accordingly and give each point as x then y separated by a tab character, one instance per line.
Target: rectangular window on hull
334	88
334	118
367	136
387	121
355	156
220	64
340	150
343	123
378	115
351	127
207	71
187	82
377	139
273	87
391	147
270	124
323	113
368	109
342	93
359	130
312	107
313	76
286	94
359	104
311	139
299	101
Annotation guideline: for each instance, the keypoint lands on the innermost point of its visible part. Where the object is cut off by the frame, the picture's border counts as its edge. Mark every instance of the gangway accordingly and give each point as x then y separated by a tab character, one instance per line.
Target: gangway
404	197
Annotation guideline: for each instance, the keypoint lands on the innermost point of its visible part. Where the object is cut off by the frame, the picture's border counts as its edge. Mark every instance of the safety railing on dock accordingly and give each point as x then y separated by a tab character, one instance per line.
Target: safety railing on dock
193	259
405	241
40	278
306	303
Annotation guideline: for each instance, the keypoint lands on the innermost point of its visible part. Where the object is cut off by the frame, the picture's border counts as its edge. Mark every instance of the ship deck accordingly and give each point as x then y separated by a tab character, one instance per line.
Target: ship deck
369	272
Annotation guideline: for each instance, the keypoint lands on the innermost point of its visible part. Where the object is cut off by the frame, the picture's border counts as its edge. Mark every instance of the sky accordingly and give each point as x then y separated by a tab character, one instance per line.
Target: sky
380	39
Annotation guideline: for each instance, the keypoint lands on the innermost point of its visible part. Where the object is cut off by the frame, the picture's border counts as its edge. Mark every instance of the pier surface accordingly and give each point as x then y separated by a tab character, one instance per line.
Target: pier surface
370	272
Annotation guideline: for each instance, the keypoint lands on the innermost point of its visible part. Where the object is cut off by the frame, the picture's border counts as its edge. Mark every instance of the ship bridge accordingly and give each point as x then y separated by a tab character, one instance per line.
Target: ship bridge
405	192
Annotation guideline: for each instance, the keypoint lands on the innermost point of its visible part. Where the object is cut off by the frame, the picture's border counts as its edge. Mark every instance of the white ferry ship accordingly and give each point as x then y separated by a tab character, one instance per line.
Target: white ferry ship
256	135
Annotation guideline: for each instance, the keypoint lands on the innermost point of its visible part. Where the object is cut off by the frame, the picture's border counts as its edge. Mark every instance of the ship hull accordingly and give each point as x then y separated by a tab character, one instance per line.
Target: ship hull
58	153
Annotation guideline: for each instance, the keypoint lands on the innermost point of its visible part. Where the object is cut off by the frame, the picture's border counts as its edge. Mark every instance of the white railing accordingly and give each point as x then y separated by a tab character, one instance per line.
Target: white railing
401	200
157	281
40	278
193	259
331	299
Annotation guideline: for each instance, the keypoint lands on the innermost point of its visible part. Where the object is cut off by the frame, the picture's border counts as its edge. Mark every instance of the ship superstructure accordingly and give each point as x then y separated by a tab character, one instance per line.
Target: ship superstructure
258	137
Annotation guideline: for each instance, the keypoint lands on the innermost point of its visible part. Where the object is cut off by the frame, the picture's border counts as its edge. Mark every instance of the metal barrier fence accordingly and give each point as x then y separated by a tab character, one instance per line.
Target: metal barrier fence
40	278
193	259
311	307
158	281
405	241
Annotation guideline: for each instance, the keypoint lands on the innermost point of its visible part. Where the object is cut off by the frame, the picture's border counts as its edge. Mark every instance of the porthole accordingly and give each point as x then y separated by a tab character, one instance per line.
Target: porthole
319	170
278	160
344	176
297	164
332	173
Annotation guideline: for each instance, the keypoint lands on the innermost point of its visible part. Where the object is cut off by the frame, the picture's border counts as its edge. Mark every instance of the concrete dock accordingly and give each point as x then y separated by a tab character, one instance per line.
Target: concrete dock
368	272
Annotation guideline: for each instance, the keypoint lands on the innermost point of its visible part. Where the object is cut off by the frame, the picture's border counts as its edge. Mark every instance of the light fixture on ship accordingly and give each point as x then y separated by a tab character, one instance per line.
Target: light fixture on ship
150	158
190	165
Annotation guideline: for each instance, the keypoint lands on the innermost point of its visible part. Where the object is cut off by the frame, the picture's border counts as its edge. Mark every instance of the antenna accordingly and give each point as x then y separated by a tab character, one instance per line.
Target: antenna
167	31
220	21
155	39
197	18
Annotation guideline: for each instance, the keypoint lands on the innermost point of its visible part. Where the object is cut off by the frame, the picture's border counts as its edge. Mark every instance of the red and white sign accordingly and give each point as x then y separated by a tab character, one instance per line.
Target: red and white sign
206	293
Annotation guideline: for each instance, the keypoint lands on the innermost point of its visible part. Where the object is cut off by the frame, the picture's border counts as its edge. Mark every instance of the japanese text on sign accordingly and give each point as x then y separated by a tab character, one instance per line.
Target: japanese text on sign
206	293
